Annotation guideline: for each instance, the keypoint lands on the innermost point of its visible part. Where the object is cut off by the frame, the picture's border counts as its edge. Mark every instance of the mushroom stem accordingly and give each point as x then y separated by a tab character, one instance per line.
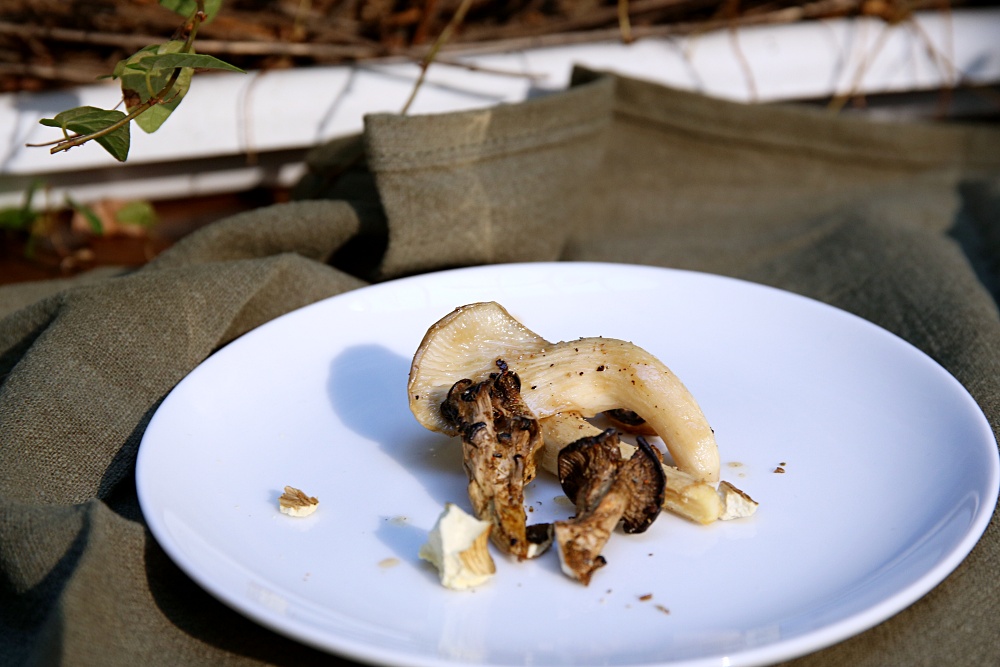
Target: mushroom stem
559	430
500	438
592	375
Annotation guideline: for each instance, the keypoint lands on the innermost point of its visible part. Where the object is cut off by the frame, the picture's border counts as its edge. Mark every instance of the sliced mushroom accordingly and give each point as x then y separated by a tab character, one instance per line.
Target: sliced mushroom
500	439
586	376
605	489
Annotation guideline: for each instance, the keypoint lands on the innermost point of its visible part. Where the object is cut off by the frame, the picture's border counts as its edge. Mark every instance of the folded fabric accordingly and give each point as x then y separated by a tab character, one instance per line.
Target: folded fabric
899	223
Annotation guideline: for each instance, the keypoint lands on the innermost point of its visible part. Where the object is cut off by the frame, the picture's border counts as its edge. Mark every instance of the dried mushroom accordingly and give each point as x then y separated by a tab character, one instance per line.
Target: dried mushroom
500	438
606	490
585	376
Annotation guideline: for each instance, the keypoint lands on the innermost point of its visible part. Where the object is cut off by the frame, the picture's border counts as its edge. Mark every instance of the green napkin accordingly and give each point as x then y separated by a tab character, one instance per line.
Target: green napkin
897	223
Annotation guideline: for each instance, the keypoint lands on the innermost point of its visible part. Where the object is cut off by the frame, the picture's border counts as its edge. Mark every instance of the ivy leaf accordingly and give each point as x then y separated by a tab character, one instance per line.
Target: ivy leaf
120	67
142	79
187	7
170	61
88	120
147	72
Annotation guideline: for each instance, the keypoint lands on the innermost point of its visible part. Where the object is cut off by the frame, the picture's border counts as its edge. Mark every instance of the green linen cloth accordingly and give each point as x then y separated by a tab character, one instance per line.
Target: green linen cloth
899	223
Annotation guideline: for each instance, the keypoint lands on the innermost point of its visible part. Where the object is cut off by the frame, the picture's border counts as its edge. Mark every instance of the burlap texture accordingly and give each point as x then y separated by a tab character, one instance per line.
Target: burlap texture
897	223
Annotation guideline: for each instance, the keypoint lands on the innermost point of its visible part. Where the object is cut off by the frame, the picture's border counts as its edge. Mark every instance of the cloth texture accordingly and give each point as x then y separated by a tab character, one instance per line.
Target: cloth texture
898	223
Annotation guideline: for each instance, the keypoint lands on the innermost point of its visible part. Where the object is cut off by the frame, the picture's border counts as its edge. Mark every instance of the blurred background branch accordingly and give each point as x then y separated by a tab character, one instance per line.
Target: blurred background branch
48	44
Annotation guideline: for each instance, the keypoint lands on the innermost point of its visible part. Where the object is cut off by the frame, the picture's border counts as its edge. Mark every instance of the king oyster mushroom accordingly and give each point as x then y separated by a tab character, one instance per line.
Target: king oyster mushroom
582	377
606	489
500	438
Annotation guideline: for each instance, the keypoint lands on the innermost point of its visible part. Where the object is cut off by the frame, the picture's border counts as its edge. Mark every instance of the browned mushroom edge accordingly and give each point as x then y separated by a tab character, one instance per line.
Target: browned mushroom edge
605	489
500	438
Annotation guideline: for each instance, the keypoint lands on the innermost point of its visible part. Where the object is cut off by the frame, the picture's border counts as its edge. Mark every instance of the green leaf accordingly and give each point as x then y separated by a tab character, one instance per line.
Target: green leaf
151	120
134	71
120	67
187	7
170	61
88	120
142	80
139	213
88	214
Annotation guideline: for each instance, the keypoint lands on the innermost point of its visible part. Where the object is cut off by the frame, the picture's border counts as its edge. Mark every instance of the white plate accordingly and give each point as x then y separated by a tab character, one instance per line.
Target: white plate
891	475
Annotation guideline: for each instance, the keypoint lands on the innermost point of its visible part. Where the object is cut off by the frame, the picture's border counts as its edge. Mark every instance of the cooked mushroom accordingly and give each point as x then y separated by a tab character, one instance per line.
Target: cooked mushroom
562	428
464	344
295	502
736	503
559	430
586	376
456	546
500	438
628	422
605	489
691	498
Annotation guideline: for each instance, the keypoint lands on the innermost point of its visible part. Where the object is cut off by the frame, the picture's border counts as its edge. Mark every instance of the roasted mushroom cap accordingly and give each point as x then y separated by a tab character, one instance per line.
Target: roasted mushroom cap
605	489
500	438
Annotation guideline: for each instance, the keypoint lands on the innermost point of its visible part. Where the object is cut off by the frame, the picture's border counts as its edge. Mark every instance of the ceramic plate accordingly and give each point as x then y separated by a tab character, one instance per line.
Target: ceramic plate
890	475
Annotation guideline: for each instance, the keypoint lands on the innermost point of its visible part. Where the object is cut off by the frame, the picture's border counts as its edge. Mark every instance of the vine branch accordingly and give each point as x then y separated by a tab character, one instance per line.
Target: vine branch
189	30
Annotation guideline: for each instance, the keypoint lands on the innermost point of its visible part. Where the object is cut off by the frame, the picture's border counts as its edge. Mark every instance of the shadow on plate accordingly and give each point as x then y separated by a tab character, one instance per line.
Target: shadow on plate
367	389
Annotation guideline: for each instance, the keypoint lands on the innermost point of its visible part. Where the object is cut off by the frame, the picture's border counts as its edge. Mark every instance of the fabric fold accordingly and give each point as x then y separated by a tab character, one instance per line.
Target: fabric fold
478	186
